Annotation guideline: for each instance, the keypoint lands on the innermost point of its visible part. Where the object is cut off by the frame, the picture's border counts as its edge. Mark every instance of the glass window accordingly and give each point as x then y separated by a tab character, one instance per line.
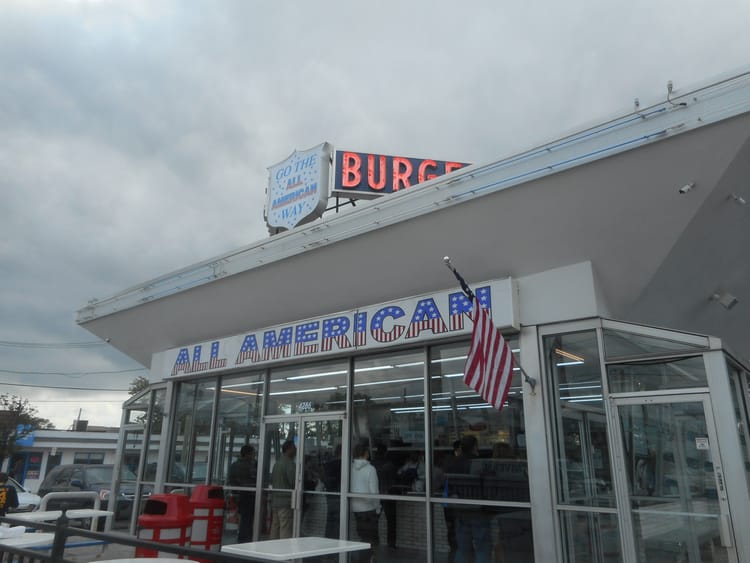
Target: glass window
88	457
497	469
401	531
238	424
136	410
154	434
656	375
591	538
192	427
388	416
308	388
620	345
581	442
738	387
508	532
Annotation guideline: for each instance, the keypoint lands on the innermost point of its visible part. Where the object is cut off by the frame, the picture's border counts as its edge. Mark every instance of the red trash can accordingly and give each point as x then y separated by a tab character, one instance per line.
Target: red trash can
165	519
207	503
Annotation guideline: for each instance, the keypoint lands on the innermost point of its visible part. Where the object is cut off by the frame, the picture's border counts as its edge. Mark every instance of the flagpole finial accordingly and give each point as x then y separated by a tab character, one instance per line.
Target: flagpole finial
464	286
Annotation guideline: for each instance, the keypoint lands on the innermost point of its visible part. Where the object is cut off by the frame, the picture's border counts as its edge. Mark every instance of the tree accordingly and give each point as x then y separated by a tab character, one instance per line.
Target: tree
17	420
139	384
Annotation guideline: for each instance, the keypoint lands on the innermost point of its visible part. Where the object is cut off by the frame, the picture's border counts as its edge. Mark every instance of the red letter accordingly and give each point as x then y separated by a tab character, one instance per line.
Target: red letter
451	166
401	176
423	168
380	184
350	174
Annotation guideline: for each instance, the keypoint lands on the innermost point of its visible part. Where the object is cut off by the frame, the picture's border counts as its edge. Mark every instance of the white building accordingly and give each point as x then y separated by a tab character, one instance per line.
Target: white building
616	262
44	449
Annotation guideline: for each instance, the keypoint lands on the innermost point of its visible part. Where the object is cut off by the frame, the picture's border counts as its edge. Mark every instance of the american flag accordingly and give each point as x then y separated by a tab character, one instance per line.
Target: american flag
489	365
433	321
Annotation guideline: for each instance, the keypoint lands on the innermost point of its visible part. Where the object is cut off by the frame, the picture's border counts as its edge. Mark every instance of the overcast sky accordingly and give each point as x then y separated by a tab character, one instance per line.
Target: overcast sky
135	135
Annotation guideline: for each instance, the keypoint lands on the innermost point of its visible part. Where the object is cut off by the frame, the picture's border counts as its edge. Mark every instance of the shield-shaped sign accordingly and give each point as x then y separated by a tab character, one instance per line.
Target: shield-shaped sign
298	188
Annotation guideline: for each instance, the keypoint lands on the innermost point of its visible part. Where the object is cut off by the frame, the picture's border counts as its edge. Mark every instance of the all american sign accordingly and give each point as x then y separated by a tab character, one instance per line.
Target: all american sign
412	320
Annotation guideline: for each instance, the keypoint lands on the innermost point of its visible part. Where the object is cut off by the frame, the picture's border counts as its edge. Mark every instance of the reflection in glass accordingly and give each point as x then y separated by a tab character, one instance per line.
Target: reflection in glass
737	385
590	537
582	447
671	482
237	423
620	345
657	375
410	539
308	388
192	427
508	532
388	415
321	478
498	469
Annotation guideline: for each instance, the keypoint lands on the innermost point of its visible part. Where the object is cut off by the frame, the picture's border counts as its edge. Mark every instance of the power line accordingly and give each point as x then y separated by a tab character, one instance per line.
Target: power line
69	388
51	345
70	373
35	401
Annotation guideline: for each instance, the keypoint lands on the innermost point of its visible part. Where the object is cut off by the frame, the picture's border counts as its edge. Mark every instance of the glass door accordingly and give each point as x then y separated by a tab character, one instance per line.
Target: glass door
302	476
672	470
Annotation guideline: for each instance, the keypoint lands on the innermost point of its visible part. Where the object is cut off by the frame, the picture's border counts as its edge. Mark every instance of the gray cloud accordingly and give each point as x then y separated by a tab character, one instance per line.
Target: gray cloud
135	135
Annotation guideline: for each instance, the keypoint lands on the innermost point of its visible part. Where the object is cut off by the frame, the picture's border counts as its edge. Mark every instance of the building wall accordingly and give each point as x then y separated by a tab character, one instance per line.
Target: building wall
57	447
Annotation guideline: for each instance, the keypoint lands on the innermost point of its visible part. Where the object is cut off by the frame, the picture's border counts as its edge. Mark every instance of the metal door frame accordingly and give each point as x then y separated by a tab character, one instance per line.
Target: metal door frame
620	477
300	419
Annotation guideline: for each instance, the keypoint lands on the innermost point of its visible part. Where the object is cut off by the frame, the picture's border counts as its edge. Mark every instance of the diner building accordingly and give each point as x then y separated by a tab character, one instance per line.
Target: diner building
615	261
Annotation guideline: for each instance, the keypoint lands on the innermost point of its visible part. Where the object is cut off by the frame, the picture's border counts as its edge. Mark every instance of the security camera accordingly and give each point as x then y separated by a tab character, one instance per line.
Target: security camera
686	188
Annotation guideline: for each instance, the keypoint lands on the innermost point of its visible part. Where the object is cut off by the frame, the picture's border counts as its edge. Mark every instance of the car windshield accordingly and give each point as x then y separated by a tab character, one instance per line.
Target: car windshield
103	474
16	485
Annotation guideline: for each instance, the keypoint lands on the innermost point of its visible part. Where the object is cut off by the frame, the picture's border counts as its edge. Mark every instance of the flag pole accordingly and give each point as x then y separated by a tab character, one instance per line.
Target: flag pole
470	294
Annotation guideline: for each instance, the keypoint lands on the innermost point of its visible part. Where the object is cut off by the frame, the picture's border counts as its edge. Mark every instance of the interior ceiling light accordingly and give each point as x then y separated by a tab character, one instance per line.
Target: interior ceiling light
725	299
568	355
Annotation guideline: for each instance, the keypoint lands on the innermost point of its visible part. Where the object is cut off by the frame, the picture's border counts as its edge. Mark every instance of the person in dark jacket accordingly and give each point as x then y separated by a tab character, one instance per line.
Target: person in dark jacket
472	523
243	473
8	495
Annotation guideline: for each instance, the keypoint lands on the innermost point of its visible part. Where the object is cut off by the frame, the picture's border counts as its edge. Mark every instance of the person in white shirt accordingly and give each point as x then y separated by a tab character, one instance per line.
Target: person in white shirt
364	479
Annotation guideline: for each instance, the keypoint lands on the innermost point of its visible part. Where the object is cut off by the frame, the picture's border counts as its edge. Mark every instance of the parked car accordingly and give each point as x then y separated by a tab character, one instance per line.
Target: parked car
27	501
81	477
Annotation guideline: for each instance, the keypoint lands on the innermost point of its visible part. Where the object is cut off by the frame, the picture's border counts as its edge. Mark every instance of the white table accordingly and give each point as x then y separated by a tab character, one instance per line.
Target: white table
28	540
51	515
293	548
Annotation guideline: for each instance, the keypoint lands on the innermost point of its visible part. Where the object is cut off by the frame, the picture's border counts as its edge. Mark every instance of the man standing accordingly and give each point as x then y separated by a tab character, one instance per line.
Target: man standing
243	473
472	523
283	478
364	479
8	495
332	482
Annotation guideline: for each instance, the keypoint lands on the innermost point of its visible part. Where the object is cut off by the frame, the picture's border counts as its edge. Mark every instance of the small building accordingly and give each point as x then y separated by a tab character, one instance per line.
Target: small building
42	450
615	262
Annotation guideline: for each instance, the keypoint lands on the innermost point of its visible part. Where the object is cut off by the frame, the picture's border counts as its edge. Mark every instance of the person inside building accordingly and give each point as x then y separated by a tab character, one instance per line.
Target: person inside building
332	482
448	510
364	479
8	495
386	471
243	473
472	523
282	480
